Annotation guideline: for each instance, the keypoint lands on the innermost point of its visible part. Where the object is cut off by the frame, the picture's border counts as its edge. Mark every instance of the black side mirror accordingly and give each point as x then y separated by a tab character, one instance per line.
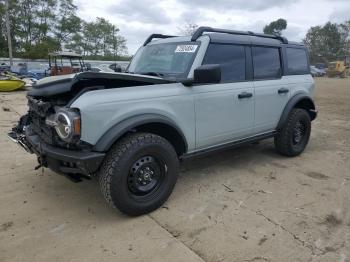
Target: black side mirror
207	74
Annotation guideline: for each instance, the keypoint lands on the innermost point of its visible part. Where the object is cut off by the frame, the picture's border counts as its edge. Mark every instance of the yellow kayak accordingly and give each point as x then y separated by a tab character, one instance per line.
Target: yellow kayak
10	84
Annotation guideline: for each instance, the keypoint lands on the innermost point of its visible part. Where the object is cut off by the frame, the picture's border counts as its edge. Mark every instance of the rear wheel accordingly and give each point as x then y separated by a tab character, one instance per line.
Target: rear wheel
292	139
139	173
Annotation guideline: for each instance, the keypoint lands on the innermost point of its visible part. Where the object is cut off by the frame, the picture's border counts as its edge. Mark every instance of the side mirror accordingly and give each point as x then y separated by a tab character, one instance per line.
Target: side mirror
207	74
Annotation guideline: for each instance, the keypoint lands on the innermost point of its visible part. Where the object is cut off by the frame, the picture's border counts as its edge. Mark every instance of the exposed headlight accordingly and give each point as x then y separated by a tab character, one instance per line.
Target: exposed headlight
67	124
63	125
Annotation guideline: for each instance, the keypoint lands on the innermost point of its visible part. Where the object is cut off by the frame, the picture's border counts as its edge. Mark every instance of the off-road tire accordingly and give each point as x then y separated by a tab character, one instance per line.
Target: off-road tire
115	172
284	138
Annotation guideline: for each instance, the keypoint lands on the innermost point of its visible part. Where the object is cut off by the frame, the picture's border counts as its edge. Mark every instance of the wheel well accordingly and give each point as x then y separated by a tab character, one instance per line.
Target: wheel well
168	132
308	105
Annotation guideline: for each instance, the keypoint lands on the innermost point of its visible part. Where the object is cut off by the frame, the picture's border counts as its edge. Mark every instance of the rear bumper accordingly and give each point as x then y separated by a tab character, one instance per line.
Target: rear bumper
60	160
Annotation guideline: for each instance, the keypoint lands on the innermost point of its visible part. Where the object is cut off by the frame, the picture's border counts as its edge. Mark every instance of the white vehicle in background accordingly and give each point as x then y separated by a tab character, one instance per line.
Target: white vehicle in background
315	72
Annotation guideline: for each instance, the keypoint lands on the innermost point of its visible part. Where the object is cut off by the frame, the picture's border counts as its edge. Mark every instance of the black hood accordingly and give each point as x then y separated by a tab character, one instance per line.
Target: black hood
71	85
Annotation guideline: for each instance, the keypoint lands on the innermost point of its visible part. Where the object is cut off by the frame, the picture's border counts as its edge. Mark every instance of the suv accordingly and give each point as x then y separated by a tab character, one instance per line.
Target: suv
180	97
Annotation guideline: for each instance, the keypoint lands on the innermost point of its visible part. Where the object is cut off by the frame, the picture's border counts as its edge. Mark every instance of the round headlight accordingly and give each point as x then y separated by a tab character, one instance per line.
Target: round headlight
63	125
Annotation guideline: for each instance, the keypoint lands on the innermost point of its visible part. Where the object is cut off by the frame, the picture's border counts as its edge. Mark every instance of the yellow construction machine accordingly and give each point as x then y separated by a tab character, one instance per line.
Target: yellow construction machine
340	68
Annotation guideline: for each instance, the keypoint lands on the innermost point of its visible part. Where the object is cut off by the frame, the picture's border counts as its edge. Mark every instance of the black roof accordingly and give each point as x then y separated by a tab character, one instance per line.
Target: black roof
234	37
241	37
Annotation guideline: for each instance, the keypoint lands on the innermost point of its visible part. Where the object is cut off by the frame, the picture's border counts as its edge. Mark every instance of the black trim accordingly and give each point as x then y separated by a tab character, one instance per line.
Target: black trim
229	145
83	162
249	69
118	130
199	32
159	36
284	60
245	95
291	104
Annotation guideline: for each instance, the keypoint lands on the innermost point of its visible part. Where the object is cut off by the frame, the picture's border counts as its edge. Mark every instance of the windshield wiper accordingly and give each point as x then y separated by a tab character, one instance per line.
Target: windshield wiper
152	74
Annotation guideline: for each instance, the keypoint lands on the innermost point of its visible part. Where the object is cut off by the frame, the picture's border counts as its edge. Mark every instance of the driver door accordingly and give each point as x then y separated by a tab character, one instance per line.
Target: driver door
224	111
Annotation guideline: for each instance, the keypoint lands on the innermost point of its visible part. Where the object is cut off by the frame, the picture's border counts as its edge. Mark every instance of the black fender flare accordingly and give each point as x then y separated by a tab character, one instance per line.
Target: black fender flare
119	129
292	103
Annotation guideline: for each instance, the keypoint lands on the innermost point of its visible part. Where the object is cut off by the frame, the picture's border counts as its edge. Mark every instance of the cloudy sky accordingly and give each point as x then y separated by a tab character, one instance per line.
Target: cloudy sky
137	19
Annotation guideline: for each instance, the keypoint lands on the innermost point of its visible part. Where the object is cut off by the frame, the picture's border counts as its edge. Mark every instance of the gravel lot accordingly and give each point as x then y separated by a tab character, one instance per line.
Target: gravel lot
246	204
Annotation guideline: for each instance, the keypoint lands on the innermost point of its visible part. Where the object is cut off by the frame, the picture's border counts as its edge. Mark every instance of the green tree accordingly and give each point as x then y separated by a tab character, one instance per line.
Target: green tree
39	27
276	27
68	22
345	34
99	39
325	43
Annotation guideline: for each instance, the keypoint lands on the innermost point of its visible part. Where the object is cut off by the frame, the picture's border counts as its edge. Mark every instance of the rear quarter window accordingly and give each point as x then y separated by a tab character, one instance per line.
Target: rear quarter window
297	61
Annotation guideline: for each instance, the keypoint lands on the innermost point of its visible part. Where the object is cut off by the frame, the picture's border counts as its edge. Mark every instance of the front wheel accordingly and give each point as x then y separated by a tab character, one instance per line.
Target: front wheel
292	139
139	173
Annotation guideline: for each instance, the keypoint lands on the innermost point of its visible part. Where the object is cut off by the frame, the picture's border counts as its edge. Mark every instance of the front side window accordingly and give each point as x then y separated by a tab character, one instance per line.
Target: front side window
297	61
170	60
231	58
267	63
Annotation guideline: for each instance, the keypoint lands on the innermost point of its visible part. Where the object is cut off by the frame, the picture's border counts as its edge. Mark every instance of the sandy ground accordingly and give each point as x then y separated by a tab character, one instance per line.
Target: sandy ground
246	204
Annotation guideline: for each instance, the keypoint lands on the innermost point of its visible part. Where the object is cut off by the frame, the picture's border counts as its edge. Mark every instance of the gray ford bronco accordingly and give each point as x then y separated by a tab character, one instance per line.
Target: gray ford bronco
180	97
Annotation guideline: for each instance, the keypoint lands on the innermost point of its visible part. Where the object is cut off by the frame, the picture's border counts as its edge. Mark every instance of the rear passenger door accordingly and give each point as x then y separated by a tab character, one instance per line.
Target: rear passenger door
224	111
271	88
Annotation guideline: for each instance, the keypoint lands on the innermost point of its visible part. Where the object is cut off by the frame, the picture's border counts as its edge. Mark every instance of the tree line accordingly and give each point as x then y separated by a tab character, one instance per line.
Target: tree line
39	27
328	42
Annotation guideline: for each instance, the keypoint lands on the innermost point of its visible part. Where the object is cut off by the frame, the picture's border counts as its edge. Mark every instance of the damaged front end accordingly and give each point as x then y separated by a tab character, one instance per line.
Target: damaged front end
72	160
51	129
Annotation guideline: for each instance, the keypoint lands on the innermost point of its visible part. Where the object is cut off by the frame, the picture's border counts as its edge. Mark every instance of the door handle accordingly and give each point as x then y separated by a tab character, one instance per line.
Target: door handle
283	90
245	95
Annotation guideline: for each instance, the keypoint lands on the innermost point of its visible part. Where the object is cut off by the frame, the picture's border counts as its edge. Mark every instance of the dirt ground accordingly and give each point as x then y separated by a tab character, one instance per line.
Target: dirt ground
246	204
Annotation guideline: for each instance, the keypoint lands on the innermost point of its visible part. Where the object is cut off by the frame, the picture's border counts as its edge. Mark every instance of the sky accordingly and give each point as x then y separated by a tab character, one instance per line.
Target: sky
137	19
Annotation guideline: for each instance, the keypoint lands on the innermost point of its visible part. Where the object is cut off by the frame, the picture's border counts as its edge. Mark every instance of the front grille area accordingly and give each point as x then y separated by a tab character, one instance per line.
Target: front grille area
38	111
39	107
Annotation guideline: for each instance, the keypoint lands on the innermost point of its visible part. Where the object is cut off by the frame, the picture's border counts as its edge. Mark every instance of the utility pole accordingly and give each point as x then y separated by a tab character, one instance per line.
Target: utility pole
8	28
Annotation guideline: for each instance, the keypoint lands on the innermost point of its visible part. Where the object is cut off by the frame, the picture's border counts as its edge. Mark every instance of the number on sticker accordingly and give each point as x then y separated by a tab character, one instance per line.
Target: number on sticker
186	48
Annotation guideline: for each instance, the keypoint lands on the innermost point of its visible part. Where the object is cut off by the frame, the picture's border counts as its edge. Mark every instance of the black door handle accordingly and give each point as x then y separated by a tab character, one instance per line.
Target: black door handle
245	95
283	90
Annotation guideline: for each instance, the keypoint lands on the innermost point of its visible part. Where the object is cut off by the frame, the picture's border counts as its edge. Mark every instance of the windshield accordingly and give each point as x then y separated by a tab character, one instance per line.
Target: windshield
170	60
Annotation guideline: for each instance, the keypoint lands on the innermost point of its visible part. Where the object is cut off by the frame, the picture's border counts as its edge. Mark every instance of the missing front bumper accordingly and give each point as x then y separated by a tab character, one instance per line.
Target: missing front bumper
58	159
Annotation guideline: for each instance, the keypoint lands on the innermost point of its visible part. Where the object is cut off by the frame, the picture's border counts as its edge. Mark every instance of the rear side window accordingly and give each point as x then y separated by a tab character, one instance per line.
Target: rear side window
297	61
231	59
267	63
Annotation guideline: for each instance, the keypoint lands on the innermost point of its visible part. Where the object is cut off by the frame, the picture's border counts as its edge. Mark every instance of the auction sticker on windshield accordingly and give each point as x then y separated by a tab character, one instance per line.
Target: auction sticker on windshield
186	48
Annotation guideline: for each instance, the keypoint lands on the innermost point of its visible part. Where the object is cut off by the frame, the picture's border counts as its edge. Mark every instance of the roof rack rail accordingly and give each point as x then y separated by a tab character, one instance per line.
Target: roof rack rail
199	32
159	36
